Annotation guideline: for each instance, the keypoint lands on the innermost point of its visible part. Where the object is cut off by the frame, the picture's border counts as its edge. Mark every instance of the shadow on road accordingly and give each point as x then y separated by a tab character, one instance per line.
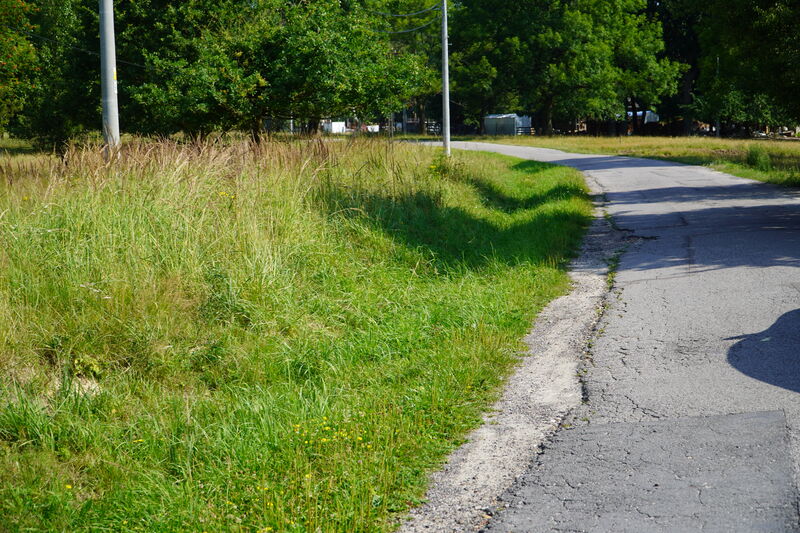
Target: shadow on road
685	194
713	238
773	355
611	162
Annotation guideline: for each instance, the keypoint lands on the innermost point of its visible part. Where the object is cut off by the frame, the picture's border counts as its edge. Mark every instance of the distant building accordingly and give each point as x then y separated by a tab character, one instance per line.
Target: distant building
650	117
331	126
506	124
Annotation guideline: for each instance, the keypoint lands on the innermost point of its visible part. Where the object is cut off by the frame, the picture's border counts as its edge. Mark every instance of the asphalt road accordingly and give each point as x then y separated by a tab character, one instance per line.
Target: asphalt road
692	419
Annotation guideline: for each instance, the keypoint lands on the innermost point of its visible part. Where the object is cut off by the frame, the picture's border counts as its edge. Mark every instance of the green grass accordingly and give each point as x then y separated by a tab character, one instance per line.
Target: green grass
769	161
285	337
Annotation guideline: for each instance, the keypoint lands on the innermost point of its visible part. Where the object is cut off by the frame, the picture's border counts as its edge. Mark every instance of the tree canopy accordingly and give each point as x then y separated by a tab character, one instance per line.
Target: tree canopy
17	57
199	66
565	59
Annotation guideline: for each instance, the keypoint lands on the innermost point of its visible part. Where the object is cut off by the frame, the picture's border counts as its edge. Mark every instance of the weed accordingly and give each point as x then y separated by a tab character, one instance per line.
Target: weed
613	267
758	157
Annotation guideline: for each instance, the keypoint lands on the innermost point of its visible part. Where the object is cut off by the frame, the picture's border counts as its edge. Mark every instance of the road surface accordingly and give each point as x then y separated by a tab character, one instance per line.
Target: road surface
692	418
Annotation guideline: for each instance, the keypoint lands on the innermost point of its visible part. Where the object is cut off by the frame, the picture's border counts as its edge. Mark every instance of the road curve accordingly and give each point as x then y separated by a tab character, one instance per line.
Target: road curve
693	414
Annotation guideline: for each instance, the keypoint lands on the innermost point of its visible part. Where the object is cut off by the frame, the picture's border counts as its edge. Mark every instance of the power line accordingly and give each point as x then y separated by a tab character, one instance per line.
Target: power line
76	48
408	31
432	8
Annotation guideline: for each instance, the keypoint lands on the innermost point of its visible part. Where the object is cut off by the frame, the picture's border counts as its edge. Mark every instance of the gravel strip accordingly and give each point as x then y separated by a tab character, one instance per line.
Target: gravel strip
545	387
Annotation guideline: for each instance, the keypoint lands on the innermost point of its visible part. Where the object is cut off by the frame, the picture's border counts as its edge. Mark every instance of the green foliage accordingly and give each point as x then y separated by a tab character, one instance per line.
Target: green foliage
64	98
741	61
202	66
424	44
17	57
564	59
756	43
273	335
229	66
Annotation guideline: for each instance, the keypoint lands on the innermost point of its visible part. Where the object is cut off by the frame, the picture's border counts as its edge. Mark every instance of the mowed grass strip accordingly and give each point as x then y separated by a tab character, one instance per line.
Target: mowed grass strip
284	337
764	160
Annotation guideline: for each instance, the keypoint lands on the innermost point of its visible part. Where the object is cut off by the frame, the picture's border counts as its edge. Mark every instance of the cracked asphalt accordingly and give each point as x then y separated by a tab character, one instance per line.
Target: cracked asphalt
692	410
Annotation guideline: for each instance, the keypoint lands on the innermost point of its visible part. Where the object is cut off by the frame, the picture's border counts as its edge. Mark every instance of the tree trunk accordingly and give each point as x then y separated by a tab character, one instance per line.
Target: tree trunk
256	129
423	119
636	129
548	117
313	126
687	97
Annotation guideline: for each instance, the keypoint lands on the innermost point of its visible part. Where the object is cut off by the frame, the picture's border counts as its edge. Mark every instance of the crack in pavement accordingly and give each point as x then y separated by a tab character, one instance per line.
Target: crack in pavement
709	332
541	392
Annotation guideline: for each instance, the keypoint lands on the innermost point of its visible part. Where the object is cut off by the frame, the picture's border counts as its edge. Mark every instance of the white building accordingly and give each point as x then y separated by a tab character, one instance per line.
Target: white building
329	126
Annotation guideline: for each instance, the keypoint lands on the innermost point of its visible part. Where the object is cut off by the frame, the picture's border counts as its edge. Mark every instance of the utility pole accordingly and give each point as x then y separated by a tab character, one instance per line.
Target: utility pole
108	77
445	83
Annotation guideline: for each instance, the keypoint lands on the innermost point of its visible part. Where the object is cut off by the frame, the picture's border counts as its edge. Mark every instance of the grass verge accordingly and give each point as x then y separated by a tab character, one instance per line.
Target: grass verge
775	162
283	337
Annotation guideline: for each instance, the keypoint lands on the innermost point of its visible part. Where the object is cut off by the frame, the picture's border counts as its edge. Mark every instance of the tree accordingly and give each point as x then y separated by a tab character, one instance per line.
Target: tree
491	48
741	57
646	74
757	46
63	98
223	65
681	21
17	57
416	37
203	62
564	59
211	65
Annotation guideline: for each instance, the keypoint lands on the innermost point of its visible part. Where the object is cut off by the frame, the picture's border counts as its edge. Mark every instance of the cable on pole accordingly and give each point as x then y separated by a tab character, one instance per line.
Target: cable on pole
434	7
76	48
408	31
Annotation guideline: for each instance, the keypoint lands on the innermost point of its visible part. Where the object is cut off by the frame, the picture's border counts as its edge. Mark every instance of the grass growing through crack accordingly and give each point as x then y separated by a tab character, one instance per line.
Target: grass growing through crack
284	337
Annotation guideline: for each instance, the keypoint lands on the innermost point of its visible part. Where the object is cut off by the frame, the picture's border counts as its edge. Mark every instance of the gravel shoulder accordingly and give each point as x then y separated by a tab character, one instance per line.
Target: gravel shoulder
544	388
698	339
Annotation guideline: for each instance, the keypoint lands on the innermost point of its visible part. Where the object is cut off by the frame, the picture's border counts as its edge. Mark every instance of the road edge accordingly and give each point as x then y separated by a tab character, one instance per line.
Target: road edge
544	388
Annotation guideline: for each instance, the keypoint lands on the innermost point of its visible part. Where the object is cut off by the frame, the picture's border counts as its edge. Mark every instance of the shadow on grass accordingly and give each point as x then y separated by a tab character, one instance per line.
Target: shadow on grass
456	238
493	197
9	150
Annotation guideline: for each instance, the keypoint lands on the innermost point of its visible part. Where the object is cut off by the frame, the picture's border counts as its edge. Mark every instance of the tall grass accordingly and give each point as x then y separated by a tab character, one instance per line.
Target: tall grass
273	337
